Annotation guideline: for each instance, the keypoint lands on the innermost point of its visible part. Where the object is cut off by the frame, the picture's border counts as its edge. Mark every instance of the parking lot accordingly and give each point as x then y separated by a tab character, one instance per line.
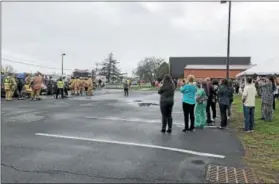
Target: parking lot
107	138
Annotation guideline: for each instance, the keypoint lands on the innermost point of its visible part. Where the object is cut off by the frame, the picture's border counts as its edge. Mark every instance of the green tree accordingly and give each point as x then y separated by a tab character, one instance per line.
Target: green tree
162	71
110	69
147	68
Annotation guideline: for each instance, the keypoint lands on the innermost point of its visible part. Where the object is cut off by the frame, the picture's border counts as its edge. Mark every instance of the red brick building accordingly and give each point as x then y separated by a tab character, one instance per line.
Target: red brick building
213	71
202	67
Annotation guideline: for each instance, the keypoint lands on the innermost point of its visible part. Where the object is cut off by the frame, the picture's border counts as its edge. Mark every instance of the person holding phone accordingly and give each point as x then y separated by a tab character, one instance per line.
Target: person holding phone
166	90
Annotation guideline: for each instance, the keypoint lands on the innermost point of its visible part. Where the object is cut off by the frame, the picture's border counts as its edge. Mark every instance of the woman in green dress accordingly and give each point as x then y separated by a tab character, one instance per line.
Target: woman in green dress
200	108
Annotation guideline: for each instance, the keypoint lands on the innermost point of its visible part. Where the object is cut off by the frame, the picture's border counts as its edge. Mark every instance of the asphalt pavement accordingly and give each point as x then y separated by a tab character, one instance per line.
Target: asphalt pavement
106	138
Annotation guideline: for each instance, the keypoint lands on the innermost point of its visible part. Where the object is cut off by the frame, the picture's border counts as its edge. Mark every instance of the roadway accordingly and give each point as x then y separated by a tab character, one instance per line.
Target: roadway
106	138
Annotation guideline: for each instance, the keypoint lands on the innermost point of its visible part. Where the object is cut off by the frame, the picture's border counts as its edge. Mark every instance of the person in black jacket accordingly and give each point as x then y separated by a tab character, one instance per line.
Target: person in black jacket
225	95
166	102
211	103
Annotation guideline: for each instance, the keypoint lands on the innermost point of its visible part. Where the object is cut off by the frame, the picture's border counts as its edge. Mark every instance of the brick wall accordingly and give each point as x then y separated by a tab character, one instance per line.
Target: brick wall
212	73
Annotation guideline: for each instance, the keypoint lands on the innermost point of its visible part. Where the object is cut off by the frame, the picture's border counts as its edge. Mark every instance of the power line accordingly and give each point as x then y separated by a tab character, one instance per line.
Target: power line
19	59
30	64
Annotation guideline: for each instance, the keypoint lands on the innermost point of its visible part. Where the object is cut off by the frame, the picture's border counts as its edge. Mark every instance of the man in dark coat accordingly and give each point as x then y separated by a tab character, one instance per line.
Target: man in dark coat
211	103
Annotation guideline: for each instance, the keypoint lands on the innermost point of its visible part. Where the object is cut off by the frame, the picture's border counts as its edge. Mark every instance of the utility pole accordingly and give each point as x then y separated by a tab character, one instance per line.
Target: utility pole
229	39
63	54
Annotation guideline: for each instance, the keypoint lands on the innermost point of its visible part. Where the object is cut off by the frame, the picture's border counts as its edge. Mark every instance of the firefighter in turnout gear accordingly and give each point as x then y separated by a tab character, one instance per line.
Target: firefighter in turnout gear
60	88
28	80
89	87
36	86
76	87
71	83
81	85
9	85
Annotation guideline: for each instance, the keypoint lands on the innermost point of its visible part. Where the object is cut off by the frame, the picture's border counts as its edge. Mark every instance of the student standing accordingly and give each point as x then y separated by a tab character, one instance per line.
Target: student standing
224	96
209	90
231	100
249	100
189	92
126	88
200	107
267	89
166	102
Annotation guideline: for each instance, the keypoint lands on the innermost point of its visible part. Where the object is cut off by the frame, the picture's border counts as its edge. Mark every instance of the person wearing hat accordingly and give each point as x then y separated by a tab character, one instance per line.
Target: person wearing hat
36	86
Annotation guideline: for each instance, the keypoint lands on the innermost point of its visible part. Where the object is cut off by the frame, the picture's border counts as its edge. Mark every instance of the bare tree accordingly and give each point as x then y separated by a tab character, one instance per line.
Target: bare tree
162	71
147	69
7	68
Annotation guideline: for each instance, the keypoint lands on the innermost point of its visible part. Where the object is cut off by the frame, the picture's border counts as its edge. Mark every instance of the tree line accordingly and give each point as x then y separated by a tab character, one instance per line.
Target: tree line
151	69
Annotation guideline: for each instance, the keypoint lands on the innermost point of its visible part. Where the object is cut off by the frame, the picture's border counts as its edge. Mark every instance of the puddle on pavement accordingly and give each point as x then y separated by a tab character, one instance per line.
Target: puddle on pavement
26	118
198	162
88	105
147	104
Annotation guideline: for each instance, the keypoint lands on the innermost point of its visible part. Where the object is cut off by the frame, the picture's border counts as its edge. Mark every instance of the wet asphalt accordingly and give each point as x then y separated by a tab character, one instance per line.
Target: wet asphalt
30	158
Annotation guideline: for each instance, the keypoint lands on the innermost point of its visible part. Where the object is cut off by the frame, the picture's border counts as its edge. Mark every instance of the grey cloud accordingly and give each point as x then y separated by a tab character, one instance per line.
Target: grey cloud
87	32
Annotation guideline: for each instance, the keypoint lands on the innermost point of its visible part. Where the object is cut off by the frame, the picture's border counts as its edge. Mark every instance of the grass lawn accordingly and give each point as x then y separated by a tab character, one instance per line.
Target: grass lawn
261	146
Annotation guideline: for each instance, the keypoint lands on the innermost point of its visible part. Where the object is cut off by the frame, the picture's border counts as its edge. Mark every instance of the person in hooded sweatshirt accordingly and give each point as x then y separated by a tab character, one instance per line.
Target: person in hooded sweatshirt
166	102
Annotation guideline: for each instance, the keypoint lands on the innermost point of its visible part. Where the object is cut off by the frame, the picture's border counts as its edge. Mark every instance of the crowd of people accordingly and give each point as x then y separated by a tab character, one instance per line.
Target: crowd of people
82	86
31	87
268	88
200	99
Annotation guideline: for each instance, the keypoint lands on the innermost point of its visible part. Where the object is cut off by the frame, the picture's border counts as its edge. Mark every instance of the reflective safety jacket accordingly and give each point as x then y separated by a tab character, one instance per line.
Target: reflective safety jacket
9	83
60	84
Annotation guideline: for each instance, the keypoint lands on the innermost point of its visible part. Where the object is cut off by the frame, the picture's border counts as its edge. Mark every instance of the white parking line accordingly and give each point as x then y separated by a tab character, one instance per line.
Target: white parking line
154	121
133	144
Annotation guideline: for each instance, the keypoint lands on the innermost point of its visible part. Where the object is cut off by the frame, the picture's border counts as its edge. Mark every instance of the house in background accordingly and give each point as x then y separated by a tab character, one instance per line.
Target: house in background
202	67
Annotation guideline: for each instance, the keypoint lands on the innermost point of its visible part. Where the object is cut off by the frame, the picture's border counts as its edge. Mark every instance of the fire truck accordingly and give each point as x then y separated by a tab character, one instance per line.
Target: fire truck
81	73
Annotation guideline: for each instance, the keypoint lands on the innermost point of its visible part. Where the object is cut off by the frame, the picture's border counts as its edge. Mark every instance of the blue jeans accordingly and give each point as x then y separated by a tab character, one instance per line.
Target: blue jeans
249	114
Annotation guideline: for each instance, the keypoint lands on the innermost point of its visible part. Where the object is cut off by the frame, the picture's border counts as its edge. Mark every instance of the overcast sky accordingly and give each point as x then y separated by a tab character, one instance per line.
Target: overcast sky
39	32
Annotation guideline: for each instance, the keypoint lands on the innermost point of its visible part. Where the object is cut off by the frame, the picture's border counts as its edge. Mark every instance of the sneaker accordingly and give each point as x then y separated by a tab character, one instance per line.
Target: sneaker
185	130
248	131
228	117
169	130
163	131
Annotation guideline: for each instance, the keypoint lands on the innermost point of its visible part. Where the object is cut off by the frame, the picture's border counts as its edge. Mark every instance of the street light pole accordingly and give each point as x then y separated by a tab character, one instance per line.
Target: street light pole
63	54
229	40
